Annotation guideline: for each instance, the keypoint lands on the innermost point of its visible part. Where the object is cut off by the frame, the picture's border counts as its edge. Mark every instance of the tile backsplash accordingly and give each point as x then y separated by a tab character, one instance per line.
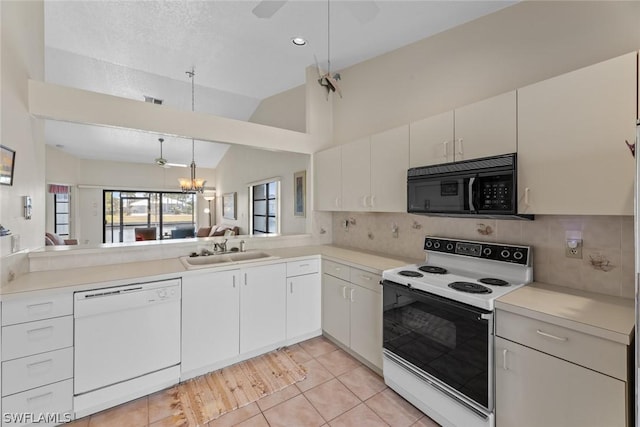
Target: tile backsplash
606	267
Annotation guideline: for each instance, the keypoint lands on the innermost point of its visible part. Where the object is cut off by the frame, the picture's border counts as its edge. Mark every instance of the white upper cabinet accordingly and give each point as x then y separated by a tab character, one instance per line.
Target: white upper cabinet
486	128
328	179
431	140
572	156
389	164
374	172
356	175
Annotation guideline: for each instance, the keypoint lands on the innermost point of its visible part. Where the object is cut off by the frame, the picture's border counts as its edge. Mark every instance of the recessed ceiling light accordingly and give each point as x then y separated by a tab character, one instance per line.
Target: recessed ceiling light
298	41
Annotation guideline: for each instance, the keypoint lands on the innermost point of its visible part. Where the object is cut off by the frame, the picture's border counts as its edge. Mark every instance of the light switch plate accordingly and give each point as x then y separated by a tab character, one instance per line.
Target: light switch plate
15	243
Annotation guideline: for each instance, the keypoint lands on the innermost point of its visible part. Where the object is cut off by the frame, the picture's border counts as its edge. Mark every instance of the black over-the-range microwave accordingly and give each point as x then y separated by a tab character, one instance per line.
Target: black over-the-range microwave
485	187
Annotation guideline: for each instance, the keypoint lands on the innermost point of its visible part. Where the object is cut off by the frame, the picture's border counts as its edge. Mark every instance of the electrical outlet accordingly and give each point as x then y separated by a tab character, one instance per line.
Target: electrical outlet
573	249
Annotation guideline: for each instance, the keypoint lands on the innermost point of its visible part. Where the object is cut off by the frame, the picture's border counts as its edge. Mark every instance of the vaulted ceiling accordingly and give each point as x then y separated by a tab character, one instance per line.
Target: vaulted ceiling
143	48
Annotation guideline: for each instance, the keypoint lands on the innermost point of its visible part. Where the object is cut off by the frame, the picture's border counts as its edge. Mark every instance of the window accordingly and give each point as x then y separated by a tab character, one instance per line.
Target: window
265	207
61	214
144	215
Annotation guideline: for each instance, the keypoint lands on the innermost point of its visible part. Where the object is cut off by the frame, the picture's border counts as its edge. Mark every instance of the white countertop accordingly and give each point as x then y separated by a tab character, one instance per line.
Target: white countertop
604	316
109	275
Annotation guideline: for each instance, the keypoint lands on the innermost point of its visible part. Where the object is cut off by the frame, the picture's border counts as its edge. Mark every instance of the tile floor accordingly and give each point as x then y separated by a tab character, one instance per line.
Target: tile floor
339	392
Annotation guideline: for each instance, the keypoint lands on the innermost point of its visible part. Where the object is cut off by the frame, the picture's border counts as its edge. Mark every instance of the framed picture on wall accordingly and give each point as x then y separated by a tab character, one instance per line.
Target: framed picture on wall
300	193
229	205
7	161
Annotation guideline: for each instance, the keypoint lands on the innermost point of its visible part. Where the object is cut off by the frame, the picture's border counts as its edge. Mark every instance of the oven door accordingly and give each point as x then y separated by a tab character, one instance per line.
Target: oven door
449	342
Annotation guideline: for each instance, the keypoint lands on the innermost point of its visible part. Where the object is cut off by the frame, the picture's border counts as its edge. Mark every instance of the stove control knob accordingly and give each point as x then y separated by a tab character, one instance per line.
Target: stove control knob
505	253
436	245
449	246
486	251
518	255
429	243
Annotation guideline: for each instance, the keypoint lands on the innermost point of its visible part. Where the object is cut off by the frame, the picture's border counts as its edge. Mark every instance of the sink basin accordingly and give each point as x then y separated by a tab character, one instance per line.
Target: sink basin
206	260
246	256
226	258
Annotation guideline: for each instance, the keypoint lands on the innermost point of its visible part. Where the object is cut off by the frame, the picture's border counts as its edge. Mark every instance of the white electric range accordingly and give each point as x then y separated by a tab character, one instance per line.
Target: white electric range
438	328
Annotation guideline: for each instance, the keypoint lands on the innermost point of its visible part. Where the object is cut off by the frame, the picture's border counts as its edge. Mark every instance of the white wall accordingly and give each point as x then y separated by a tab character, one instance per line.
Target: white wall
22	58
243	165
285	110
87	203
516	46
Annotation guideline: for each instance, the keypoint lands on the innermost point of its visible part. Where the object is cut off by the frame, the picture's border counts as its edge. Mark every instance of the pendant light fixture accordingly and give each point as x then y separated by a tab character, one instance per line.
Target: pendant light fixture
193	184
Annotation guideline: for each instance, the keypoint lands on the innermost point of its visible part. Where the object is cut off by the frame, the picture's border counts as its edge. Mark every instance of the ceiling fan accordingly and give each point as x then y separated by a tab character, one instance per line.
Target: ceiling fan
161	161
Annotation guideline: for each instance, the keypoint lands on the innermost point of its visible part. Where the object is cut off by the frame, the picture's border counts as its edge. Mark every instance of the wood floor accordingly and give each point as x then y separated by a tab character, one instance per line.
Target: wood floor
339	392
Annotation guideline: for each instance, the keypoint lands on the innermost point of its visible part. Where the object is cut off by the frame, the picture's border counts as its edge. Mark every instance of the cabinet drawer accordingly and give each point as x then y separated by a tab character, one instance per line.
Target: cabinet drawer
366	279
51	399
30	309
298	268
335	269
586	350
30	338
35	371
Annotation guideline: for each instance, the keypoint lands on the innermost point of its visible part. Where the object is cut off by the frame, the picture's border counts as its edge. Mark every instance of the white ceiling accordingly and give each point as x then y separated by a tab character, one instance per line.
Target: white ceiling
137	48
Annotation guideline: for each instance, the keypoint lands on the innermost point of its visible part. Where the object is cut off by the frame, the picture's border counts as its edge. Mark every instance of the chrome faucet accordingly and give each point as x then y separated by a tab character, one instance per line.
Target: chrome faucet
222	247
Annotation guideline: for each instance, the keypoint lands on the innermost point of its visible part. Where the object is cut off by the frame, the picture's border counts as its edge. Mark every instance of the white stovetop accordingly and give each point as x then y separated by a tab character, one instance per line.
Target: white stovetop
438	284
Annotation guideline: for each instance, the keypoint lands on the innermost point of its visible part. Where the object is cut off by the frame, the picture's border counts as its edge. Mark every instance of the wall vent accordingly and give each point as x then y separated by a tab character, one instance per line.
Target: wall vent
152	100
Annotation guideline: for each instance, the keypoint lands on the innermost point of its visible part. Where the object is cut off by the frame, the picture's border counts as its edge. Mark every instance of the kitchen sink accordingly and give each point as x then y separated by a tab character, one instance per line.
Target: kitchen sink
206	260
222	259
246	256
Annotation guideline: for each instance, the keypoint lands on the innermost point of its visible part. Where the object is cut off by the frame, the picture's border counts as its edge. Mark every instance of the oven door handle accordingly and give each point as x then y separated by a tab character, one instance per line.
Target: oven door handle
472	208
477	314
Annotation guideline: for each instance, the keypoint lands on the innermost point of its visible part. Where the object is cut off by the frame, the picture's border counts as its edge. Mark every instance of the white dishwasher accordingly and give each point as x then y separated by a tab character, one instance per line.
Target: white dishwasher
126	343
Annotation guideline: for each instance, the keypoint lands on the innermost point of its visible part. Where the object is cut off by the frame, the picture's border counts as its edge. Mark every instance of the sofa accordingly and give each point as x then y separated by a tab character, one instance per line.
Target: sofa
52	239
218	230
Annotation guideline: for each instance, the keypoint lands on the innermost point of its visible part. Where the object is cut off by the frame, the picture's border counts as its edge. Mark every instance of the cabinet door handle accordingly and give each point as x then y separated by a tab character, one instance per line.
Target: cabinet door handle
372	202
40	333
38	397
40	308
245	279
303	265
337	268
365	277
40	363
544	334
234	280
526	196
344	292
351	294
504	359
291	287
337	202
460	150
365	203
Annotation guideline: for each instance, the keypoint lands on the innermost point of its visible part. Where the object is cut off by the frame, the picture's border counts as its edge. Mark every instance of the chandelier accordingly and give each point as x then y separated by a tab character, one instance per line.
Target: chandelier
192	184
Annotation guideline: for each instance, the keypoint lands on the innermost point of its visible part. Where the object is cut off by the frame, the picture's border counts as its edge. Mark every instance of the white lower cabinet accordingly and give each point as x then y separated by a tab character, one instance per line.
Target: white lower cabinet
556	376
43	406
304	297
535	389
335	308
263	307
352	310
210	320
37	360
